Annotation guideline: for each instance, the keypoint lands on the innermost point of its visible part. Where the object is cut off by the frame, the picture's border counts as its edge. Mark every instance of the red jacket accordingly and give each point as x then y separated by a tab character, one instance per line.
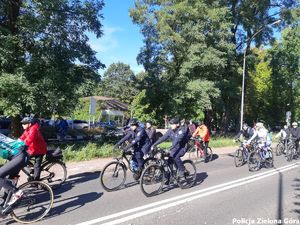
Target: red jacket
34	140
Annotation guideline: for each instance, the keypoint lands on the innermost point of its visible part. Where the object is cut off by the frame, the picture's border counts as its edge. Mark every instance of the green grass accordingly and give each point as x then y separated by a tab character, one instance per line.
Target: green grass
90	150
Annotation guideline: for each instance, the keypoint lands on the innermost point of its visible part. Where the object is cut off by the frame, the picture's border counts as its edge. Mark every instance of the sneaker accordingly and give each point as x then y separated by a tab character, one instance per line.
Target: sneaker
137	174
15	197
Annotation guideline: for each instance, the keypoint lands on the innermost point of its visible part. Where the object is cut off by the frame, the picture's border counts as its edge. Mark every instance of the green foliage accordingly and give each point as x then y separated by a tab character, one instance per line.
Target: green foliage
15	94
119	82
140	107
190	42
87	151
42	47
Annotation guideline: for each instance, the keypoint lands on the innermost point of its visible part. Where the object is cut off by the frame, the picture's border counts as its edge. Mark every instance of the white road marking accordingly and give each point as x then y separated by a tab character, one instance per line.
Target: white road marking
185	198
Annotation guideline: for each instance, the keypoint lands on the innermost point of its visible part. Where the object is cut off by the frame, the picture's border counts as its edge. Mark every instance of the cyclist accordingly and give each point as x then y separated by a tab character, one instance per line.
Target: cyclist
37	147
203	132
140	143
294	132
179	136
15	152
283	135
262	136
247	132
151	131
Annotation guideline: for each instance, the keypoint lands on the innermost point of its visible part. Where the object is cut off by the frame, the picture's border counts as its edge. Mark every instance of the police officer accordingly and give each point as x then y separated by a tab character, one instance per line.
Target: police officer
247	132
140	143
151	132
294	132
179	137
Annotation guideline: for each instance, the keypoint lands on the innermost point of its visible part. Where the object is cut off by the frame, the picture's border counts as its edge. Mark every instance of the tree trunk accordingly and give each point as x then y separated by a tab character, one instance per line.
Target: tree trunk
16	127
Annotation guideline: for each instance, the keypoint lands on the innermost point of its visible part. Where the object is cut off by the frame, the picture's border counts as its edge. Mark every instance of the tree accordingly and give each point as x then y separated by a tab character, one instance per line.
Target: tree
44	44
202	40
181	45
119	82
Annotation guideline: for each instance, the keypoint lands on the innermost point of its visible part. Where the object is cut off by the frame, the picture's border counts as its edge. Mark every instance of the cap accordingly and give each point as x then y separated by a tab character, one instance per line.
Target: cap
133	122
175	121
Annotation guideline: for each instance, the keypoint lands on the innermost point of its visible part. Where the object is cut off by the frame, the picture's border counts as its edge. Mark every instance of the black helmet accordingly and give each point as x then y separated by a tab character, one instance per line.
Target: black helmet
27	120
149	121
133	122
175	121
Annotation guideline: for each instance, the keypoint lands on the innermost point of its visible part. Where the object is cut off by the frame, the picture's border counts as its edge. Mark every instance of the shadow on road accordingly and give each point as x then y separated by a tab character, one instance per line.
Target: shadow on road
76	179
297	196
73	203
70	204
200	177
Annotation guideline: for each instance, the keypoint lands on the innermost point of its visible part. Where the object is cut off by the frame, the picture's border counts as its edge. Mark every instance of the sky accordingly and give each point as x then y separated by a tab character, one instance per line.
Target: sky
122	40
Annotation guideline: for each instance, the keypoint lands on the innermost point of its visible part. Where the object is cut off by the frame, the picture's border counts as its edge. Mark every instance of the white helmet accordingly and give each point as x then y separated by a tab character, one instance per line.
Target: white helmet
259	125
294	124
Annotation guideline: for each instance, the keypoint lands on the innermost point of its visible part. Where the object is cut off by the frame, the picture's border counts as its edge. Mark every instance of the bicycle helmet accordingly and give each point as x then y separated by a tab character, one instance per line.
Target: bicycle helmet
27	120
133	122
294	124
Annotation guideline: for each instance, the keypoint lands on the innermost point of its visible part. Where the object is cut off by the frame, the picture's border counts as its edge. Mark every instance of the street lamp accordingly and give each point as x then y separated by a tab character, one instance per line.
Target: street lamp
244	67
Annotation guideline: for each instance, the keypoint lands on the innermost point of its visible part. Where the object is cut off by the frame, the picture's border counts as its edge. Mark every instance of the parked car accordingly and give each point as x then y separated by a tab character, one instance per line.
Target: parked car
78	124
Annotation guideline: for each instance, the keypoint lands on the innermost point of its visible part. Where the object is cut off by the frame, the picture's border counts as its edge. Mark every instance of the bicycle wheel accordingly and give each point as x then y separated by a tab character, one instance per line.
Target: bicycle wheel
238	158
209	155
289	155
54	174
254	161
194	154
113	176
152	180
149	161
189	177
36	202
279	149
269	161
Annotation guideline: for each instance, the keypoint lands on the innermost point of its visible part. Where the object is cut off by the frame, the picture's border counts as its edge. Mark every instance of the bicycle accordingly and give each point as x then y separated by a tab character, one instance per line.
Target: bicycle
196	152
165	172
280	147
33	205
53	169
114	173
242	153
260	156
291	151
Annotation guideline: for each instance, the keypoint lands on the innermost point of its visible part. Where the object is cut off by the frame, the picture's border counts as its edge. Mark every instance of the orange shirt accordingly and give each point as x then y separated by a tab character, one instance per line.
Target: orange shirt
203	132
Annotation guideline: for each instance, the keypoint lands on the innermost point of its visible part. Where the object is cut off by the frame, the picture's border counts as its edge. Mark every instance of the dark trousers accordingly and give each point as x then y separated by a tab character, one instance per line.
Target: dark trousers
38	159
176	155
11	169
205	145
138	158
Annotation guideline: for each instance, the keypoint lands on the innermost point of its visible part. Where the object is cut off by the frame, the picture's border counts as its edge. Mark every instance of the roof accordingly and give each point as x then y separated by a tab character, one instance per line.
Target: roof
109	103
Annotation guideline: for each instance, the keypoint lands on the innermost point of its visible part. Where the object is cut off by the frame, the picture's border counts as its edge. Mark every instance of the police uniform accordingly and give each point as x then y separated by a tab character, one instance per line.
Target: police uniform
179	138
140	143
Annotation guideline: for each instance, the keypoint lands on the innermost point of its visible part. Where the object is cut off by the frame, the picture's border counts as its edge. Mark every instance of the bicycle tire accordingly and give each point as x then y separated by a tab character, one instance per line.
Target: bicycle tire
189	175
194	154
209	155
33	202
110	173
254	161
269	162
289	155
152	175
238	158
149	161
279	149
54	174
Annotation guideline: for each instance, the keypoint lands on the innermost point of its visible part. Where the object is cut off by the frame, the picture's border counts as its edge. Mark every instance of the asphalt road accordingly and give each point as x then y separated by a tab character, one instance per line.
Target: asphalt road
223	194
